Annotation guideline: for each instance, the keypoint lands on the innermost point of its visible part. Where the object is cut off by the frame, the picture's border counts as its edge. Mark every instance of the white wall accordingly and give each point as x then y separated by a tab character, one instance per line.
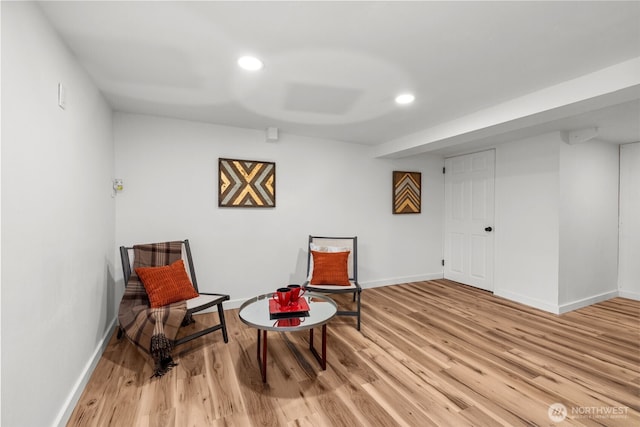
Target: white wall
589	174
629	266
324	187
556	222
57	222
527	221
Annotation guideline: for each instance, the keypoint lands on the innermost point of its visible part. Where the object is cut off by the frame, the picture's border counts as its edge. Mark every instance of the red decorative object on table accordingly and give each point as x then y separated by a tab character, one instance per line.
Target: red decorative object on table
291	310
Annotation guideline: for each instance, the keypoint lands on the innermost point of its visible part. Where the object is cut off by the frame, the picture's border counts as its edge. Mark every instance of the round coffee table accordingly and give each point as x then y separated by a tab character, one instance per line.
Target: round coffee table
255	313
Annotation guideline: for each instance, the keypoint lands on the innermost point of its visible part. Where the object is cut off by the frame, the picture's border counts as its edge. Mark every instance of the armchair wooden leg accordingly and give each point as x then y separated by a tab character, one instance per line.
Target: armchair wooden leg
358	310
223	323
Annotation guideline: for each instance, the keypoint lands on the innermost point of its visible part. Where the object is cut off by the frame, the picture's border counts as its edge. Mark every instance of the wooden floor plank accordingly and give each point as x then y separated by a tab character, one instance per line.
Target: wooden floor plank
429	353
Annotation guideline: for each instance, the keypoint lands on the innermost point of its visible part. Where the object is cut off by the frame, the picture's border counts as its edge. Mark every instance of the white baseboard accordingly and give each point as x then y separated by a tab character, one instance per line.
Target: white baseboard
73	398
629	294
236	303
531	302
400	280
228	305
570	306
556	308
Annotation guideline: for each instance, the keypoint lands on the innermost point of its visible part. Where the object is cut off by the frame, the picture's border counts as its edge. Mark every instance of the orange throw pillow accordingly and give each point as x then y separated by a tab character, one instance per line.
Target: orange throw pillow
330	268
167	284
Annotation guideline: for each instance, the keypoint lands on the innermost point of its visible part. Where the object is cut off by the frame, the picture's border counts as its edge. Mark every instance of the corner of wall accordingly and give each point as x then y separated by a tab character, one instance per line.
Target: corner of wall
77	389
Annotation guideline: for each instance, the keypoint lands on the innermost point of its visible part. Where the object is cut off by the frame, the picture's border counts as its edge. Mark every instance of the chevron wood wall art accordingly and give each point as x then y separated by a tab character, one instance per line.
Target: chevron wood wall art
406	192
246	183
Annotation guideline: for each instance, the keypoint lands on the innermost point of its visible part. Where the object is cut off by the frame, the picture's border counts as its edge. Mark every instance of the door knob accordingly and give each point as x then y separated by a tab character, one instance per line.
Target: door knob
488	229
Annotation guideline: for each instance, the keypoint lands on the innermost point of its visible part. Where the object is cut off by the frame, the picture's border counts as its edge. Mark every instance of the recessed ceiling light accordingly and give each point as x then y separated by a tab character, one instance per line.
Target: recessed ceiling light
250	63
405	98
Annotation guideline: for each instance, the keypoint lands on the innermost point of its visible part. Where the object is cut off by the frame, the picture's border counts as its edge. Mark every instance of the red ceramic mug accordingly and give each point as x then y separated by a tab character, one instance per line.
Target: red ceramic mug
296	292
282	296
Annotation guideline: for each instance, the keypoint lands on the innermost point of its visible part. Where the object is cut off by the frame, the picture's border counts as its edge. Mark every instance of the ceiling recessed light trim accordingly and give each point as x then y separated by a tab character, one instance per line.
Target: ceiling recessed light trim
405	98
250	63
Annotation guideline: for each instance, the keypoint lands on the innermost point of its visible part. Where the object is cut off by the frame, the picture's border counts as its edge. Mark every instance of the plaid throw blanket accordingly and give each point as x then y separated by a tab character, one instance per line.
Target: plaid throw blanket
152	330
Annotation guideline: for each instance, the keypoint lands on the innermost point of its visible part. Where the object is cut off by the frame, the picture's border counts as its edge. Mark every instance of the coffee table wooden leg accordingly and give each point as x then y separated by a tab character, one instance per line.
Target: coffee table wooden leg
324	347
258	348
321	359
262	361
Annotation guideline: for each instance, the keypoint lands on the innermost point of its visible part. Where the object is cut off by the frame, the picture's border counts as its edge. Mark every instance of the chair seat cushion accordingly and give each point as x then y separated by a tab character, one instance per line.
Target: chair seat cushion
330	268
330	288
167	284
200	300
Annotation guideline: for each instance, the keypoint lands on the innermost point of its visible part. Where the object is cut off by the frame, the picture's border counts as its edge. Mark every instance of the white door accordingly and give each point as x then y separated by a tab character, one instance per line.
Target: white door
468	242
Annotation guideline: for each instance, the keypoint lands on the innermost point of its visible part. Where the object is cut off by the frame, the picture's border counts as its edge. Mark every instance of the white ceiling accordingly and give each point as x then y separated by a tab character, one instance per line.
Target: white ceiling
332	69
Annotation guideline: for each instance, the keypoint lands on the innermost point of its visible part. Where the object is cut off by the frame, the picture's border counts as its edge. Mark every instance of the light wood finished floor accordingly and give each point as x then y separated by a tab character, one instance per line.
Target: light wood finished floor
431	353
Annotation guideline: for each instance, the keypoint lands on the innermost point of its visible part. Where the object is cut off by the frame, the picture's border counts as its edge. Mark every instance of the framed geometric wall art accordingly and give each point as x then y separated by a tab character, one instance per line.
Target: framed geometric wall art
246	183
407	192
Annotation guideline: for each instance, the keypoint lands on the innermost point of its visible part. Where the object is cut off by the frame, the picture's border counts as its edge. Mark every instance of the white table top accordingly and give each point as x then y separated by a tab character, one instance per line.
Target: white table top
255	313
